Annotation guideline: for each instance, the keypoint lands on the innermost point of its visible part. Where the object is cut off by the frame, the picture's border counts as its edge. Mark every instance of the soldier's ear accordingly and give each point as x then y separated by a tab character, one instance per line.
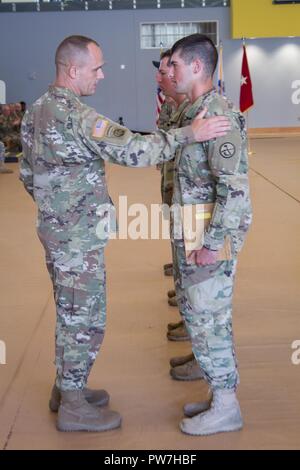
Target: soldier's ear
72	71
197	66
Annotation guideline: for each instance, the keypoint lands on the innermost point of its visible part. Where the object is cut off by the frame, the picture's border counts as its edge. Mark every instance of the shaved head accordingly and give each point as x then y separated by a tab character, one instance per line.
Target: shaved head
79	62
73	50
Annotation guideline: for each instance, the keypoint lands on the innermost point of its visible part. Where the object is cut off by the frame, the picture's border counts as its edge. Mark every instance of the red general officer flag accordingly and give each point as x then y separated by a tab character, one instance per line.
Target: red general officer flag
246	97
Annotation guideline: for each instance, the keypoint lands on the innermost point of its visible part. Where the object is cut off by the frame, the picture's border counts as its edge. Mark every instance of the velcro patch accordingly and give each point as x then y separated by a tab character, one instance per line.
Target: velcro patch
100	128
110	132
227	150
226	153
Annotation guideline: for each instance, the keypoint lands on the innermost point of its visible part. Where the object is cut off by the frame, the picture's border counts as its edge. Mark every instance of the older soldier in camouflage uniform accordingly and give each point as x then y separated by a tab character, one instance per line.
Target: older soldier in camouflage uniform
65	145
212	172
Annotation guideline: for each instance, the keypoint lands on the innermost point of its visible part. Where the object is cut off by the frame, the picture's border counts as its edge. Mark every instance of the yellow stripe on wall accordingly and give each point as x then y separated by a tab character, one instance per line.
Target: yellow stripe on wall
263	19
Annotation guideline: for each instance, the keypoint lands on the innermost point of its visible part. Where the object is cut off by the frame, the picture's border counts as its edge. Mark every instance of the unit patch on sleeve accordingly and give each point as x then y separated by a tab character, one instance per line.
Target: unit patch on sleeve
227	150
99	128
109	132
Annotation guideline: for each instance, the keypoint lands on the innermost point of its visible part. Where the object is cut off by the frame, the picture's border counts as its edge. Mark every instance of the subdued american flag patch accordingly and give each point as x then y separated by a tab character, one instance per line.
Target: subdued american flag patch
99	128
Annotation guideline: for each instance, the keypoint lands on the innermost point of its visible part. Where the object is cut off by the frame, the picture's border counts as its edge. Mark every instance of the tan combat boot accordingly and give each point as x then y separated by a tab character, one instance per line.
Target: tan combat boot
188	371
93	397
76	414
180	360
224	415
168	266
192	409
173	302
168	269
173	326
171	293
178	334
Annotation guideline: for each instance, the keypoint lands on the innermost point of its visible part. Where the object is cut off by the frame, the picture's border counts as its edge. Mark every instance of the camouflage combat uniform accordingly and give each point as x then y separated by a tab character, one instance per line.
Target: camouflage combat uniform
10	132
2	153
65	144
169	118
214	171
3	126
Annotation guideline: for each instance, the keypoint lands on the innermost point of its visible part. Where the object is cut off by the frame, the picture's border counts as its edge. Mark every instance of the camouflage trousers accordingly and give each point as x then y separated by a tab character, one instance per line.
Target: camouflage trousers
206	307
13	142
79	287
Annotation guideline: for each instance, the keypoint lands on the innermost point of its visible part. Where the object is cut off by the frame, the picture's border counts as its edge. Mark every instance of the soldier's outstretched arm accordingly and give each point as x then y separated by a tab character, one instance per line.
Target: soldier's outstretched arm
118	144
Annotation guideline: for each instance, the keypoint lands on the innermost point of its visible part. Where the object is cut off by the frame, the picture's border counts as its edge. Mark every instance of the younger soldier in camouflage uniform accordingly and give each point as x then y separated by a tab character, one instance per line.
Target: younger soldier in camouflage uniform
65	145
212	172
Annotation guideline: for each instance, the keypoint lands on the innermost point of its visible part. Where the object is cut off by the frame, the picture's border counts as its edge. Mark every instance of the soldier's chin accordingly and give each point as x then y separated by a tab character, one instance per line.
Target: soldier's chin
89	92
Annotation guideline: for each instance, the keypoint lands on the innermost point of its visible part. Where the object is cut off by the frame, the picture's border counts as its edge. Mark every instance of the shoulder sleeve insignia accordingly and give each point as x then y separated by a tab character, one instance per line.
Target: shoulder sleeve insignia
99	128
225	153
117	132
109	132
227	150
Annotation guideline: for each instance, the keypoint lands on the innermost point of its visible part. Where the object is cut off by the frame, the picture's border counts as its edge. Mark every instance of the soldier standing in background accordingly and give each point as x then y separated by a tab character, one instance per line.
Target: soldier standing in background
3	168
183	367
65	145
4	117
216	172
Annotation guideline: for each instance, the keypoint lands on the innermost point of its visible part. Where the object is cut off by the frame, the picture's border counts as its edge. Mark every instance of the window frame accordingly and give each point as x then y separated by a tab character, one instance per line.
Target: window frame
151	23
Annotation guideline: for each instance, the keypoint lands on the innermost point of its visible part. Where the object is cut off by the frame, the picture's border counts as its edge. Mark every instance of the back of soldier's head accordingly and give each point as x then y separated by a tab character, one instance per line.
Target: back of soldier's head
198	46
73	50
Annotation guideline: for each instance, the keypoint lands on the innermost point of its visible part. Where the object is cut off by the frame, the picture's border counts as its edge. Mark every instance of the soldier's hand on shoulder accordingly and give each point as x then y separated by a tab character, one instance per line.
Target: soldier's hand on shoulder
210	128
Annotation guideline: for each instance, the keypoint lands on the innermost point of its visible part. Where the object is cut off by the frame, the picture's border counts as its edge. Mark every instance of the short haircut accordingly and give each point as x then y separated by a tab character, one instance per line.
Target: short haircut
198	46
73	48
166	53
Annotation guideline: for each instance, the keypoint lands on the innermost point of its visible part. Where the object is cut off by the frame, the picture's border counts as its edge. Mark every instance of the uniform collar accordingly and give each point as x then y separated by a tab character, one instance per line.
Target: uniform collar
62	92
179	110
183	105
194	108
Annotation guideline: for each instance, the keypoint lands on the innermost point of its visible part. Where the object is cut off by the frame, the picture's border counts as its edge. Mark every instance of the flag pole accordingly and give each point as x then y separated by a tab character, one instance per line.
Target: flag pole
246	96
